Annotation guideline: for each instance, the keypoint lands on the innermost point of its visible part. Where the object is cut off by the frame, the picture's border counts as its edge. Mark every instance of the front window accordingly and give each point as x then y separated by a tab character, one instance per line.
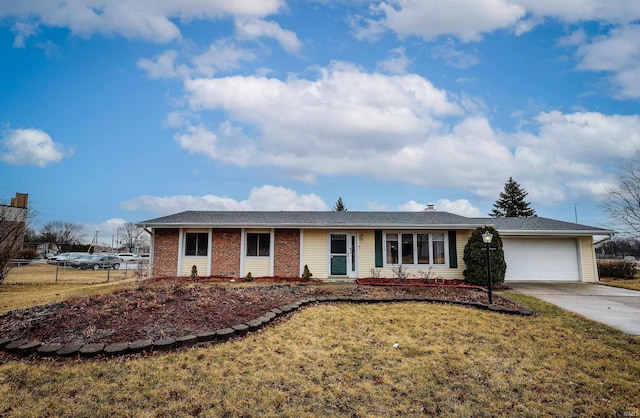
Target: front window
415	248
407	248
438	248
392	248
258	244
196	243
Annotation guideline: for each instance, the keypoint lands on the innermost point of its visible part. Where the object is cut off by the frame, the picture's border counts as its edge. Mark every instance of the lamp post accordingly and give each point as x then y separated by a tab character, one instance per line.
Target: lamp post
487	237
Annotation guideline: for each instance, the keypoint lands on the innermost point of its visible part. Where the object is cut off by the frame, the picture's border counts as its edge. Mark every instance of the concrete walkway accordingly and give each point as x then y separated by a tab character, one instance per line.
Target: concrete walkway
618	308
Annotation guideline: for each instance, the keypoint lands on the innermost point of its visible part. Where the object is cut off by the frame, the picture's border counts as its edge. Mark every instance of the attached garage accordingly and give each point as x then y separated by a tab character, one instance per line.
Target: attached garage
542	259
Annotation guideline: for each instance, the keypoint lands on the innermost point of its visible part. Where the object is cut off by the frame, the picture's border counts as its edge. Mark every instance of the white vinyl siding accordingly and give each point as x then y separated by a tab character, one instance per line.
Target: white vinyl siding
366	253
541	259
257	266
201	263
588	260
315	252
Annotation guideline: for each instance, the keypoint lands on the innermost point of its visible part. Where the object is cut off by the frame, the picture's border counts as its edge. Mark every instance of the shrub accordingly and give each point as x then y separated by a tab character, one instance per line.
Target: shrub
475	258
194	271
306	274
617	269
248	277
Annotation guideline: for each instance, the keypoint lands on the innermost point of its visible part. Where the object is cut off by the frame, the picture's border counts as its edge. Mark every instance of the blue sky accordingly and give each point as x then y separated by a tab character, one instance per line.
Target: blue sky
124	110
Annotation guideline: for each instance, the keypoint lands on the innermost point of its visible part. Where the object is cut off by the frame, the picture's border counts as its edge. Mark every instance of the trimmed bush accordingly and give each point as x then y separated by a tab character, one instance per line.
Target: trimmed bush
306	274
475	258
248	277
617	269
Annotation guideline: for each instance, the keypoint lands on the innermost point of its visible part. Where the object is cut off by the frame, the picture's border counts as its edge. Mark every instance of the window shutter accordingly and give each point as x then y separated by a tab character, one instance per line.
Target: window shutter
378	248
453	252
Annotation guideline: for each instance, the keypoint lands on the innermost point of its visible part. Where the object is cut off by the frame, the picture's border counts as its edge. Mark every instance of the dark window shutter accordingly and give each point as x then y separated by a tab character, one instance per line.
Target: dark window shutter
378	245
453	252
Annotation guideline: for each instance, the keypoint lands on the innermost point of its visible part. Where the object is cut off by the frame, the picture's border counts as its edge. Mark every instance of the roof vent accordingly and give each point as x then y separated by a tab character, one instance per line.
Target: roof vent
430	206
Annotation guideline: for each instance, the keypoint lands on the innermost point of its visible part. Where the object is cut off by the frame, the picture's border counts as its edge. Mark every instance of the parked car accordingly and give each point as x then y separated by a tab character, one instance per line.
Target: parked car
97	262
128	256
65	258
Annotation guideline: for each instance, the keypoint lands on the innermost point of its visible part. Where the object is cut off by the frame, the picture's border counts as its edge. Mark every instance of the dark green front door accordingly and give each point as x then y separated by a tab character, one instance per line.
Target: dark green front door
338	254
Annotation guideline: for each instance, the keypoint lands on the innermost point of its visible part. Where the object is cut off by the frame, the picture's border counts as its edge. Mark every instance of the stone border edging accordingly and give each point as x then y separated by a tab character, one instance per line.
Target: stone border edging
23	347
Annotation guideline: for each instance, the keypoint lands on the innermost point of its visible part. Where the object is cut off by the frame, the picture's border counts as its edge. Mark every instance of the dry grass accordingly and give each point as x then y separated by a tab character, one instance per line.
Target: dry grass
35	284
625	284
339	360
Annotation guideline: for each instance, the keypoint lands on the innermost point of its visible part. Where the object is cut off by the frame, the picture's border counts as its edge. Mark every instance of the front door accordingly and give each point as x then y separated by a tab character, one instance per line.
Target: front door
343	255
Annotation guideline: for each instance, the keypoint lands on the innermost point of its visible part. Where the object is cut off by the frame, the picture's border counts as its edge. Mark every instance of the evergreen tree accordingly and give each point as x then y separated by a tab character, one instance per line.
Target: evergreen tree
475	258
339	207
511	203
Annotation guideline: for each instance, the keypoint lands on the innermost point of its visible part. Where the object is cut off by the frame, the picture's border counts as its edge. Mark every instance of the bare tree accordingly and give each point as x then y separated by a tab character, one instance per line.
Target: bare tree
12	227
60	235
131	236
624	200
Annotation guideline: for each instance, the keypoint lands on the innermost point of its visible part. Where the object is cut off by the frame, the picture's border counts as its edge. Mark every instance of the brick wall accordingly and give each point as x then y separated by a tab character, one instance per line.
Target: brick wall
225	252
286	254
165	252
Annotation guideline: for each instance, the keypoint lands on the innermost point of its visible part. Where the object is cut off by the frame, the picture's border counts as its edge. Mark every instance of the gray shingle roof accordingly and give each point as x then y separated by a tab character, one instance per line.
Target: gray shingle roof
364	220
312	219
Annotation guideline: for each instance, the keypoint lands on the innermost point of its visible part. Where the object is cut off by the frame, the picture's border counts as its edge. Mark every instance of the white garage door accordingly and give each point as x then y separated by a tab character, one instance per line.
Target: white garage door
541	259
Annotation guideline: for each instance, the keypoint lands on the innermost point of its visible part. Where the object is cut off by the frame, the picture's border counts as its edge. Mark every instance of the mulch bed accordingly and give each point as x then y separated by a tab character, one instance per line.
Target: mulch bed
158	310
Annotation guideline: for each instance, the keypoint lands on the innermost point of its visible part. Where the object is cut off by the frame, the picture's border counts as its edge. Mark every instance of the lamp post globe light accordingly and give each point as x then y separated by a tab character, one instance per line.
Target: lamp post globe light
487	237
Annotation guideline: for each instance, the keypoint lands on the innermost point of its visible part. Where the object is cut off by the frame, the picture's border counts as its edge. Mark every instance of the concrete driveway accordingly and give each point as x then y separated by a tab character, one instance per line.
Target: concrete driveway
618	308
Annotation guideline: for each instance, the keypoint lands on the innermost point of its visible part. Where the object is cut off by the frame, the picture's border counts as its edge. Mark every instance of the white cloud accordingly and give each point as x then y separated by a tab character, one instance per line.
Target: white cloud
428	19
469	20
617	53
31	147
612	11
400	128
266	198
150	20
222	55
460	207
23	31
163	66
454	57
397	63
253	28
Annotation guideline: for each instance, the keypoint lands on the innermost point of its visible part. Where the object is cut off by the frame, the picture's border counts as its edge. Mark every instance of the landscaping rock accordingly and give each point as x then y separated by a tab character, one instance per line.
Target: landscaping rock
241	329
254	324
186	340
276	311
140	346
91	350
28	348
207	336
4	342
48	350
69	350
270	315
225	333
12	347
116	349
163	345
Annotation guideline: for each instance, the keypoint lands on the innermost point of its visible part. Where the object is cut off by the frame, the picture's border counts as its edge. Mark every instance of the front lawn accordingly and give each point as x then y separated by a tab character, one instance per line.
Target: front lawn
340	360
625	284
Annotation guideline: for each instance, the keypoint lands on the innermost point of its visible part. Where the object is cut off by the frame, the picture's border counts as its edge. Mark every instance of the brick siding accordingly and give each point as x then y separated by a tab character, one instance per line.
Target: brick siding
225	252
165	252
286	255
